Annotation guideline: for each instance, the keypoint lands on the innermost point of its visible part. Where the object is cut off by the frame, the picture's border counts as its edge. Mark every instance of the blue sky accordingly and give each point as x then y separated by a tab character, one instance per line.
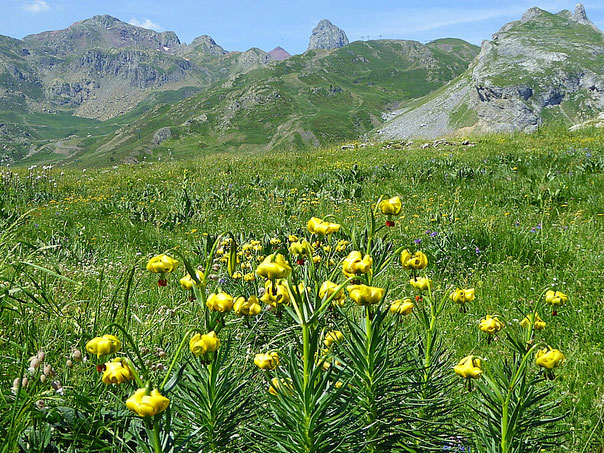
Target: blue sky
241	24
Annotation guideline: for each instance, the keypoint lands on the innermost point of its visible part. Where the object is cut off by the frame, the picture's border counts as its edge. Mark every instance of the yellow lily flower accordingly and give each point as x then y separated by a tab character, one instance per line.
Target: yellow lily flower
250	307
421	283
147	405
221	302
187	281
365	295
280	385
107	344
416	261
300	248
268	361
490	325
162	264
392	206
328	288
117	371
549	358
276	293
539	323
202	344
468	367
274	266
356	264
402	307
461	296
555	298
334	336
318	226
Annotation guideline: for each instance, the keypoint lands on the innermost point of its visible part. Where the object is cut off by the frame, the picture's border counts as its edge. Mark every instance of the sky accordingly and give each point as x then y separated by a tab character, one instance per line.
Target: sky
241	24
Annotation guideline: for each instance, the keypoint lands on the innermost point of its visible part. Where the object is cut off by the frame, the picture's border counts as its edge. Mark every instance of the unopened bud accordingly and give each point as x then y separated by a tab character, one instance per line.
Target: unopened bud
69	363
48	371
42	378
77	355
41	356
34	363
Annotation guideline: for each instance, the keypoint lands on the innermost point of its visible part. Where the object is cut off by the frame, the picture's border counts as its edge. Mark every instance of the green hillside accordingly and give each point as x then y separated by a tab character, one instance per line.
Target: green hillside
319	97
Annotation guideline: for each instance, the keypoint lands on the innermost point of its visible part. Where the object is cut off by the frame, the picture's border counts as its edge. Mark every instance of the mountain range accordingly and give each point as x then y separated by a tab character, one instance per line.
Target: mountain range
102	91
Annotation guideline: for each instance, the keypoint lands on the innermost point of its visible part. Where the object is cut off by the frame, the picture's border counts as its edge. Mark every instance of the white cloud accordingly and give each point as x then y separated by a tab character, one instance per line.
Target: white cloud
145	23
37	6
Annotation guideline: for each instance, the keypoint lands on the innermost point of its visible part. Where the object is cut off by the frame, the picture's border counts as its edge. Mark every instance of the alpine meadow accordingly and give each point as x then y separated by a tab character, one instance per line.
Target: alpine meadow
371	246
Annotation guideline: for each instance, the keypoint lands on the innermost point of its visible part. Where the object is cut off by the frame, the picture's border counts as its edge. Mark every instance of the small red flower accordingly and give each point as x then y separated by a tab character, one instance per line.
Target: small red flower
418	298
554	313
389	223
101	368
162	282
300	261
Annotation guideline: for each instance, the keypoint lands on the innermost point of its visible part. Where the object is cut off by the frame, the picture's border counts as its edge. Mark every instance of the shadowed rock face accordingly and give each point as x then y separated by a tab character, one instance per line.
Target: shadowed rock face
327	36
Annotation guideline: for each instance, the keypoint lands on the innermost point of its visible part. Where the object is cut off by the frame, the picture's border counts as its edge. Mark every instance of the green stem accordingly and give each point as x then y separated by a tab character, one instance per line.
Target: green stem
134	346
156	441
306	345
176	356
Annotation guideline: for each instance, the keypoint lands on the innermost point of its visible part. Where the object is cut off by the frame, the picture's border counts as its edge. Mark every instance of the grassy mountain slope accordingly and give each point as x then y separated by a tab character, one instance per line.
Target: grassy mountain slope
315	98
541	69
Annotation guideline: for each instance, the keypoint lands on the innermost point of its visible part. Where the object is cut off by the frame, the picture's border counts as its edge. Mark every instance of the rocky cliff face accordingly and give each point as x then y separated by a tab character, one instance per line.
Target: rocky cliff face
102	67
327	36
543	68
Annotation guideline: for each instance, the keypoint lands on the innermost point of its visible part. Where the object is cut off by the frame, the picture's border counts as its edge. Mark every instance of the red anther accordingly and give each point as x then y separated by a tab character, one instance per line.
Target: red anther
389	223
162	282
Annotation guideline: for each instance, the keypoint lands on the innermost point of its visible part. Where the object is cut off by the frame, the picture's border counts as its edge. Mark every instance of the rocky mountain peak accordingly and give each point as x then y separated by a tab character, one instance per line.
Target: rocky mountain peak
279	53
207	45
580	16
327	36
531	14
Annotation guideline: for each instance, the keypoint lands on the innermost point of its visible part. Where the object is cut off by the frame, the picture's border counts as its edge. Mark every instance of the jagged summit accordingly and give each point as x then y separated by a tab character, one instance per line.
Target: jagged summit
279	53
580	16
207	45
327	36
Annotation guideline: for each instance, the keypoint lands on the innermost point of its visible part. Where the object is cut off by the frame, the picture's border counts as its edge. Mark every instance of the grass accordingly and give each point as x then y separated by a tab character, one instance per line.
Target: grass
509	216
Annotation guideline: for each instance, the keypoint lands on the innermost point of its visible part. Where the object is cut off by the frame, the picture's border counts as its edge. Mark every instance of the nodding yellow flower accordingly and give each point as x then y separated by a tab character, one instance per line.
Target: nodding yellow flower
250	307
539	324
334	336
147	404
249	277
107	344
162	264
421	283
117	371
236	275
316	259
490	325
461	296
268	361
328	288
366	295
274	266
202	344
402	307
549	358
416	261
555	298
221	302
275	241
392	206
341	246
301	248
318	226
280	385
276	293
469	367
187	281
292	238
356	264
